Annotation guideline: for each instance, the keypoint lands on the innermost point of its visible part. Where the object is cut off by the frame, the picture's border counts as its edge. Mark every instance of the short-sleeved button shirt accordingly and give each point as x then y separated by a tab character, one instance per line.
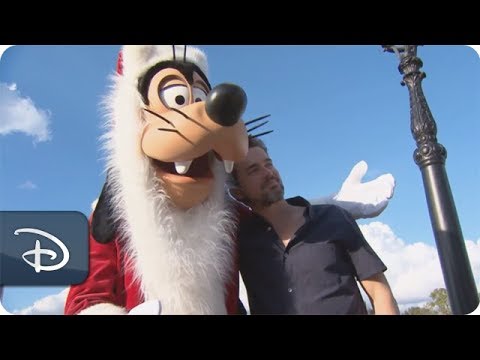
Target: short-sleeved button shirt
315	273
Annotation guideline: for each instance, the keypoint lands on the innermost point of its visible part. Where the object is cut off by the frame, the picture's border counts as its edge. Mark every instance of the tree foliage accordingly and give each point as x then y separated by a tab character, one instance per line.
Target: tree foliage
417	310
439	302
438	305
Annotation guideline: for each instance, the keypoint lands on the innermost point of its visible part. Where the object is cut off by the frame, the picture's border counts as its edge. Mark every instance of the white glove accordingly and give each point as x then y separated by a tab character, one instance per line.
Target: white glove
152	307
362	200
365	200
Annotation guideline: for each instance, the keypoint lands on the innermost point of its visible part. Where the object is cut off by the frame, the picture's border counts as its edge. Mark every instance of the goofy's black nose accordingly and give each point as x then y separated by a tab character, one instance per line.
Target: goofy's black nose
225	104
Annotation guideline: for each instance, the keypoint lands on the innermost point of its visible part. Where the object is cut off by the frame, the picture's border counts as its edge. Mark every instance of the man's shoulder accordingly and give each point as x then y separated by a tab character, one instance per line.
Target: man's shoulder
334	215
329	210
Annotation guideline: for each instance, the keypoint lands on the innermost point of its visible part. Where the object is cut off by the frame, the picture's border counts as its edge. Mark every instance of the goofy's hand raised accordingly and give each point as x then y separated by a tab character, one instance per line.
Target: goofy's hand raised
362	200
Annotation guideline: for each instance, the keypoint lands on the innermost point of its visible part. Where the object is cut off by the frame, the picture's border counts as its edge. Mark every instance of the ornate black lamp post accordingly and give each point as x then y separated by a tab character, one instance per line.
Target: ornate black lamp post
430	157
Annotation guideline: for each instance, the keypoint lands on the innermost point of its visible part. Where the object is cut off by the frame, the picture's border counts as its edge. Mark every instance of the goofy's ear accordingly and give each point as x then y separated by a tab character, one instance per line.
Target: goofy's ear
103	224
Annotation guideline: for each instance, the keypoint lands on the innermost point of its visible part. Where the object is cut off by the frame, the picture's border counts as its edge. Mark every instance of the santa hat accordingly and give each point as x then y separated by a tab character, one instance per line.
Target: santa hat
135	60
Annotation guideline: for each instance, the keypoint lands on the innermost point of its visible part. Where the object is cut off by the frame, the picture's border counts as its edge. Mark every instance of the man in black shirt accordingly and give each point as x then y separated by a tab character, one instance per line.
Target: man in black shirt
296	258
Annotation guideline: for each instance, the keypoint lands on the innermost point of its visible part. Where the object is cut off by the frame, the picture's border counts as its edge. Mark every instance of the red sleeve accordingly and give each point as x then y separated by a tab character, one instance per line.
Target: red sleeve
233	288
233	291
104	283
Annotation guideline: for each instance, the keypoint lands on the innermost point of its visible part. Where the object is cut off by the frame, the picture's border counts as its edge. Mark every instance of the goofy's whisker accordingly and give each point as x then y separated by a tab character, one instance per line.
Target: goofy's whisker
257	119
159	116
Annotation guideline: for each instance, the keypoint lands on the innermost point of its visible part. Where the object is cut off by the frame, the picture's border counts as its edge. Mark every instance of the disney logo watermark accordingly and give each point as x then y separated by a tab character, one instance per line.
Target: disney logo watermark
38	251
43	248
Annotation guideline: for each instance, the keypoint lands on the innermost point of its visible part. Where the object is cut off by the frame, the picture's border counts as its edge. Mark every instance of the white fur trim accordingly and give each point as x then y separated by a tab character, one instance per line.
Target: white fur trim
139	58
104	309
152	307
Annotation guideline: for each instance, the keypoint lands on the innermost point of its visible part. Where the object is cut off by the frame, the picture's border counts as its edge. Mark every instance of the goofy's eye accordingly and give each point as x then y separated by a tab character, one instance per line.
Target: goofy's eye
175	96
199	94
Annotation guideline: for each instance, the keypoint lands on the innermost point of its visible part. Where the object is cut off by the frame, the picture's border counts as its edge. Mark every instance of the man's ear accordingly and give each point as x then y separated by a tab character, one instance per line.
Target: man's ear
103	225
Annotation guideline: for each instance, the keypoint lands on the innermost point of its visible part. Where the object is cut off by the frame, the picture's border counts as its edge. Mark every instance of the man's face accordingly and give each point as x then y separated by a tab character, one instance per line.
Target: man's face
259	180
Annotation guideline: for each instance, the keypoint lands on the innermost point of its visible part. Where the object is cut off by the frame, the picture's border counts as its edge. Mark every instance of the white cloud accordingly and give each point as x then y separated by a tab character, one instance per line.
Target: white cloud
413	269
49	305
28	185
19	114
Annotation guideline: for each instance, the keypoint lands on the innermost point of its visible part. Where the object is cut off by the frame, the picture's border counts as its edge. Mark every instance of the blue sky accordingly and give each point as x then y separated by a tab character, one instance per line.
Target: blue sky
331	107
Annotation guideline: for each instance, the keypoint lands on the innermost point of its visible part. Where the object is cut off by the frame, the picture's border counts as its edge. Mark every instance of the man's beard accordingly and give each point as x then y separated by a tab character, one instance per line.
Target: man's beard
271	196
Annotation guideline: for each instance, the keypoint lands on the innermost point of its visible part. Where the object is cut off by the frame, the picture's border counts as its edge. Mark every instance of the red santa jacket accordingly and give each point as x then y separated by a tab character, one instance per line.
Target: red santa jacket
109	281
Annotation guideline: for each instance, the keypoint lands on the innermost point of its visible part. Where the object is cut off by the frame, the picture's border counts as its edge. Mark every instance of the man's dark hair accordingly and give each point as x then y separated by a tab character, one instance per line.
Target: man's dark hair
252	142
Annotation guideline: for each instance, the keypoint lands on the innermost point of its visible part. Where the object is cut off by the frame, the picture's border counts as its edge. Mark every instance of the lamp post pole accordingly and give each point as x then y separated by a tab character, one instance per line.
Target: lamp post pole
430	156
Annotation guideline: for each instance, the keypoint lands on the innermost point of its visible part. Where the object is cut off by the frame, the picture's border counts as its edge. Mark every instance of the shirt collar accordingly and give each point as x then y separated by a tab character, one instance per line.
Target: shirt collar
295	201
300	201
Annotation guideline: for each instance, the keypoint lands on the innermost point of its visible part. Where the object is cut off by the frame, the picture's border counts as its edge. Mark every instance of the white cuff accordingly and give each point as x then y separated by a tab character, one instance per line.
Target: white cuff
104	309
